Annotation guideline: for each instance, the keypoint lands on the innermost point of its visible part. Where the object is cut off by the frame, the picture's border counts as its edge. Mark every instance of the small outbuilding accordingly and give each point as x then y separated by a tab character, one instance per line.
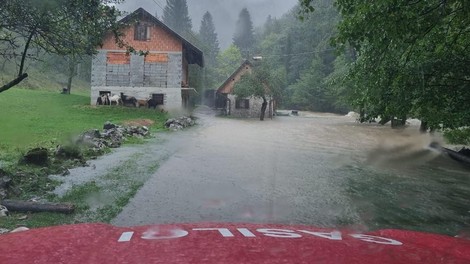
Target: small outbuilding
230	104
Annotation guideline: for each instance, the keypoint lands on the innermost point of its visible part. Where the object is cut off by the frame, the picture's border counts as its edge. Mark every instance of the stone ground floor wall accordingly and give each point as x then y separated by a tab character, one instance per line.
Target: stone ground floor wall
253	112
172	96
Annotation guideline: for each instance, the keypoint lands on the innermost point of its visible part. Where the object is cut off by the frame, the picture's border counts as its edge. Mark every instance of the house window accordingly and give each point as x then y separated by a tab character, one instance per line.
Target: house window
159	98
141	32
242	104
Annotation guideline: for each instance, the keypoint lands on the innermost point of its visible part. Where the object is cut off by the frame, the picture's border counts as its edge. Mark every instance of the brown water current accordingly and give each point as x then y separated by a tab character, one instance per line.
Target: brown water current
317	169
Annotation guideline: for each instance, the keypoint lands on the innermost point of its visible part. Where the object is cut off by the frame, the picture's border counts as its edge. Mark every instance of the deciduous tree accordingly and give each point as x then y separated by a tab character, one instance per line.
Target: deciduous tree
261	83
60	27
412	58
227	62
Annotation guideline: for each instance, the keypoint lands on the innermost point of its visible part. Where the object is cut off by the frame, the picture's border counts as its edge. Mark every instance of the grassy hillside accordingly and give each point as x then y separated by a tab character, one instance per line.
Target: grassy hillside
30	118
47	73
40	80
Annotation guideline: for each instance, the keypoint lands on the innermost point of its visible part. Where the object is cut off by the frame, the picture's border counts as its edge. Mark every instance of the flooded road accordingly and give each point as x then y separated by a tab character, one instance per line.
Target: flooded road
316	169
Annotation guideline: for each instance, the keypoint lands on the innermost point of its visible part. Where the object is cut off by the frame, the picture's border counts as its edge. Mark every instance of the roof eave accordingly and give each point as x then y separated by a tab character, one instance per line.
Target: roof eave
246	62
140	12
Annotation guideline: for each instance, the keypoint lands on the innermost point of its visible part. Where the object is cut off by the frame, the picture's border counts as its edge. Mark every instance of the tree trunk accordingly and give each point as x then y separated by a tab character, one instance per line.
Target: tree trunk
26	206
69	81
362	114
398	123
403	120
384	120
71	74
25	51
263	109
423	127
21	75
14	82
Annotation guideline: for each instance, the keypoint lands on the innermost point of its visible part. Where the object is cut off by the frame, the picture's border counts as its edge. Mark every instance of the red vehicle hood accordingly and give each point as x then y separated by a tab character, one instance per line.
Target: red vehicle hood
227	243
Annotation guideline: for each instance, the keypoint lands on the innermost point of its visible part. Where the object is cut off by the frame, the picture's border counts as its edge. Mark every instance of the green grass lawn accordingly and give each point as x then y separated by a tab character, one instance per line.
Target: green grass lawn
38	118
31	118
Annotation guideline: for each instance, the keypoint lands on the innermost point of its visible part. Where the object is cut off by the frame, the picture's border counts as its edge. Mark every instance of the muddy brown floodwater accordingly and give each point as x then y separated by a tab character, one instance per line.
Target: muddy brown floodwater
317	169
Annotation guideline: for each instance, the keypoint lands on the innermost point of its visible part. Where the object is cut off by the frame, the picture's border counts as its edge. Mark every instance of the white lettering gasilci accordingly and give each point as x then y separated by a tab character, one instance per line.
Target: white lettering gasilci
223	231
377	240
283	233
155	234
335	235
245	232
126	237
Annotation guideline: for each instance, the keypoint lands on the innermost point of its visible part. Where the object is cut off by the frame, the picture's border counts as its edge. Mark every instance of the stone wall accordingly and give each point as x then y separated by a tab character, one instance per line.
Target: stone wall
137	73
155	74
98	69
172	96
118	75
175	69
254	111
138	78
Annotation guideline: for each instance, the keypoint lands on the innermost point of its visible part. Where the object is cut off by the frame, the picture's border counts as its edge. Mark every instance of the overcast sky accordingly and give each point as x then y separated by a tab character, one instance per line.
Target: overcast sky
224	12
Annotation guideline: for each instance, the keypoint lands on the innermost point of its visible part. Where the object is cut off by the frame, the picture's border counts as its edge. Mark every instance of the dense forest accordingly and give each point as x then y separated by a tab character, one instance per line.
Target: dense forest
296	52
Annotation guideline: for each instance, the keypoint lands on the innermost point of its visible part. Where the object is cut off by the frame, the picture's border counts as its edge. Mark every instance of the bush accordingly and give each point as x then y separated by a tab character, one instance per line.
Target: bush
69	151
458	136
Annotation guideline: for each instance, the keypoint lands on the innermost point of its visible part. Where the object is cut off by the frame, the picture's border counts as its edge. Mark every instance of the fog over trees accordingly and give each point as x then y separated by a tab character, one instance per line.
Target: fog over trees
224	13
